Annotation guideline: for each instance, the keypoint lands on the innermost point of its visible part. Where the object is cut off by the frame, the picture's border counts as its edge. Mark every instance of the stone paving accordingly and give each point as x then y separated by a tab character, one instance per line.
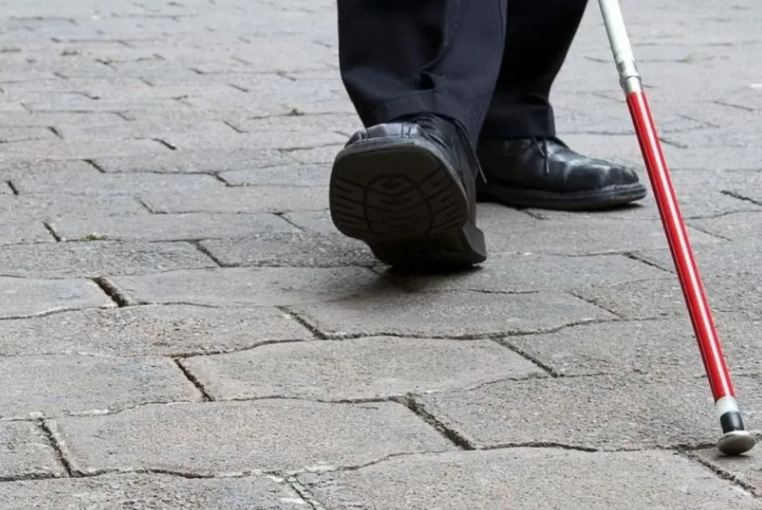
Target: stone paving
181	326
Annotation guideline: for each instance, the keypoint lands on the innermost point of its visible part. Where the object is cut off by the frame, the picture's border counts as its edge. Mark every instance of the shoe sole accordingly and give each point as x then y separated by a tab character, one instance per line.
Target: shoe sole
406	203
604	198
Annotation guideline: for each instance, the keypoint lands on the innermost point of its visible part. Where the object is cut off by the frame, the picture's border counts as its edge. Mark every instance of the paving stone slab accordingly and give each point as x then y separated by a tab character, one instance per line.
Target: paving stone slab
149	128
292	250
98	258
288	137
37	386
96	183
283	175
168	227
248	286
715	259
736	227
279	434
315	155
528	272
448	314
44	119
648	299
157	492
25	133
528	478
15	228
746	468
26	452
84	149
367	368
47	207
244	199
603	412
17	169
195	161
21	297
664	346
169	330
313	221
586	235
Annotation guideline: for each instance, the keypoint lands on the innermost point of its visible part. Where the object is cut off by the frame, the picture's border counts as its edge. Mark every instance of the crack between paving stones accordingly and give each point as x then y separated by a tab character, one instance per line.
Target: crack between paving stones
57	448
206	252
450	434
12	187
95	165
51	231
719	472
282	215
304	323
544	444
205	396
145	206
597	305
303	493
29	477
164	143
732	194
111	291
51	312
637	258
532	359
711	234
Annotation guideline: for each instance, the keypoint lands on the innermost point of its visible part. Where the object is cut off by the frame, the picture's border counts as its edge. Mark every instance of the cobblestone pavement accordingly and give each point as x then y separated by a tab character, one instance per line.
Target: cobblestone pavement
181	327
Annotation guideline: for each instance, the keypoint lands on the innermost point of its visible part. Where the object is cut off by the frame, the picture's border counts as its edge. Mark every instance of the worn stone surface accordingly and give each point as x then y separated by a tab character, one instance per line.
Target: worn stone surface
149	331
745	468
714	259
66	384
448	314
662	297
287	175
367	368
20	297
98	258
147	143
737	227
26	452
168	227
248	286
529	272
602	412
303	249
242	199
97	183
20	229
159	492
590	235
652	346
522	478
278	434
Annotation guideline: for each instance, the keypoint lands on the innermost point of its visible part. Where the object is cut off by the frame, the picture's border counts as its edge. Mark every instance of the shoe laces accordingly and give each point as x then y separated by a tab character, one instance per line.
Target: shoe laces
541	146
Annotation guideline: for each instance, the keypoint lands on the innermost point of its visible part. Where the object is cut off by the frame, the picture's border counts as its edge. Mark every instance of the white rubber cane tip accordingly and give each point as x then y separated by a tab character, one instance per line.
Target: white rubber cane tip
736	442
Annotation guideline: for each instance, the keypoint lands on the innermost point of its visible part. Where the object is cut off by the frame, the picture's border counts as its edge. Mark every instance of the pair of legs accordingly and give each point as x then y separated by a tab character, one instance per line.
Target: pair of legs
487	64
455	97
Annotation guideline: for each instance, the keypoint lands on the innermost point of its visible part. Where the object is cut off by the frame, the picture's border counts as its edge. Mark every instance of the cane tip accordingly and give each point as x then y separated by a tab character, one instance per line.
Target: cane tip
736	442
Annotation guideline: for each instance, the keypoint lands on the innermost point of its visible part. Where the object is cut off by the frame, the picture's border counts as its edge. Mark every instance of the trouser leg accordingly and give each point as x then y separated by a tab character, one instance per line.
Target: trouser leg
538	36
400	57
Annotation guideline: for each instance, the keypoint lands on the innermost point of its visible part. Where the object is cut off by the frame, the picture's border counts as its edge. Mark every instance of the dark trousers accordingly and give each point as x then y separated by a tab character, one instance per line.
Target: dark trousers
487	64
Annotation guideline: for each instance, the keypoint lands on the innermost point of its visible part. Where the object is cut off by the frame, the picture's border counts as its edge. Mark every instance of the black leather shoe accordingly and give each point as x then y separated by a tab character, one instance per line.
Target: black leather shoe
545	173
408	190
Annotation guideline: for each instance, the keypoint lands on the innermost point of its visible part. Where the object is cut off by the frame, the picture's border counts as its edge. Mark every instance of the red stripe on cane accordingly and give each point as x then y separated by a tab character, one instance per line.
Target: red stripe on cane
674	226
